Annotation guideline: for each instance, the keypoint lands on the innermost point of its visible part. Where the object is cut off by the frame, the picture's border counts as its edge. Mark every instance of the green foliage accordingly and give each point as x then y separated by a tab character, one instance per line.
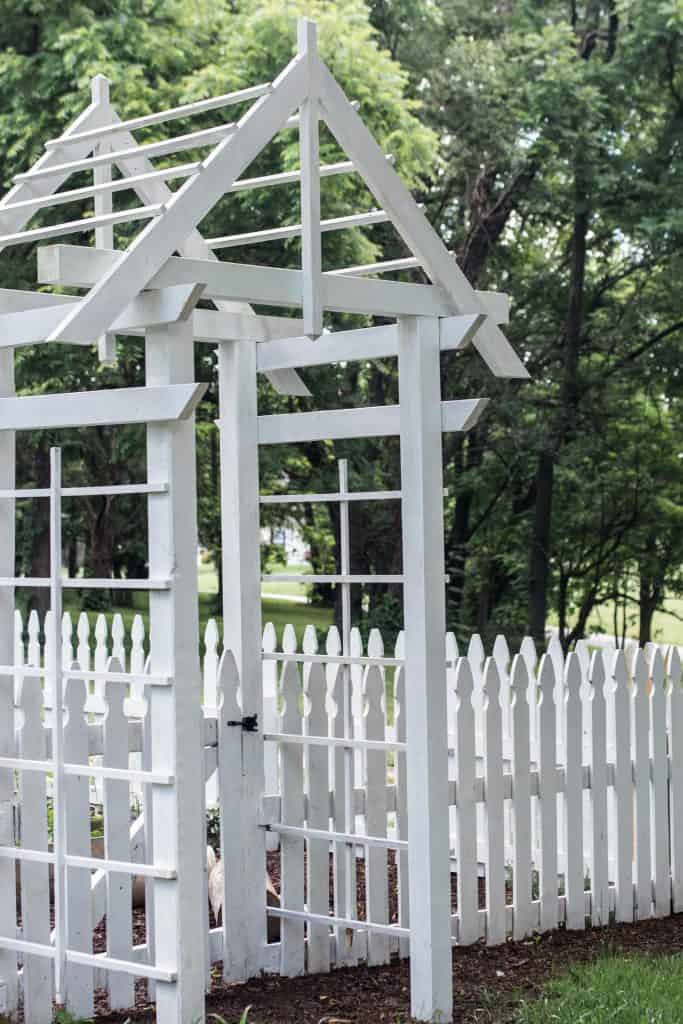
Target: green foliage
622	990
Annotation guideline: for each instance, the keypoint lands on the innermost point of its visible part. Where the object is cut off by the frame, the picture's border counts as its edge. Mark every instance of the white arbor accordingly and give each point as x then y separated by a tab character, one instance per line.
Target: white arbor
147	289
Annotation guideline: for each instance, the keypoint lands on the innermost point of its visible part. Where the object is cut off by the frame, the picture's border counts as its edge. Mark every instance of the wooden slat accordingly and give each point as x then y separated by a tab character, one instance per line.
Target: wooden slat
100	408
411	223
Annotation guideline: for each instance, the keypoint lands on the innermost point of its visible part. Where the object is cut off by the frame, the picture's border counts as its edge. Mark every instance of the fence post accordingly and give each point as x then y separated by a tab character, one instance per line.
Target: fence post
426	706
175	712
242	630
8	923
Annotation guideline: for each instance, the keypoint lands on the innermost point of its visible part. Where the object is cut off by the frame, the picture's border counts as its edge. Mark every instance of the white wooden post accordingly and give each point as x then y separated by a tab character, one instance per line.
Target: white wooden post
311	252
425	628
104	236
175	712
8	923
245	890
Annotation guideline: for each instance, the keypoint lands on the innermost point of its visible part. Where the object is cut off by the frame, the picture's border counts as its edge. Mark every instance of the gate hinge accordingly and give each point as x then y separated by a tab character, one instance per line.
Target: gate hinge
249	723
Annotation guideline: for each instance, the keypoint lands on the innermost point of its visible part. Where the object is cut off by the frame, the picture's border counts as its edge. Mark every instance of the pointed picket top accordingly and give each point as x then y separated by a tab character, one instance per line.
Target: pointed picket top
547	679
583	654
476	653
290	643
640	674
375	644
212	636
228	688
452	653
656	666
310	641
464	682
33	630
501	652
18	638
491	682
83	633
356	642
527	650
573	676
400	648
333	642
597	674
673	665
75	695
115	694
554	649
268	640
620	671
519	678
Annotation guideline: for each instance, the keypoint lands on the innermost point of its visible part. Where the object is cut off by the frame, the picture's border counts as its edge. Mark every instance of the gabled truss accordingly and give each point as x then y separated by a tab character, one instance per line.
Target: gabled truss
304	93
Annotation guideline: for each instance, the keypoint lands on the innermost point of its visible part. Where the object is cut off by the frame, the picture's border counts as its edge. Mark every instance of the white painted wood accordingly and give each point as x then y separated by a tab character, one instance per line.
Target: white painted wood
400	728
411	223
117	842
270	717
316	772
35	890
146	310
598	864
292	847
623	790
8	957
426	704
673	670
466	821
94	135
641	777
331	347
547	745
376	873
573	799
72	227
354	220
377	421
496	924
62	264
242	626
230	797
79	979
521	800
659	835
103	205
175	712
101	408
187	207
215	325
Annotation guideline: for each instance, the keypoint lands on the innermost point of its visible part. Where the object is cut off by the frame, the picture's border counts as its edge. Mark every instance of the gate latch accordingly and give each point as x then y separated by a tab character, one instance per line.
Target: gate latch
248	724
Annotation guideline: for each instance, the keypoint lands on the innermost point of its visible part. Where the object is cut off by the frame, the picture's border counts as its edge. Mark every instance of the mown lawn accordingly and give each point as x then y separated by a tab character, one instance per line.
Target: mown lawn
614	990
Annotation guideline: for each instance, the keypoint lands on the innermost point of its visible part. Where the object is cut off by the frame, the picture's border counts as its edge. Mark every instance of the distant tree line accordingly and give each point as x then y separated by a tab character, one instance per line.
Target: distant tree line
545	141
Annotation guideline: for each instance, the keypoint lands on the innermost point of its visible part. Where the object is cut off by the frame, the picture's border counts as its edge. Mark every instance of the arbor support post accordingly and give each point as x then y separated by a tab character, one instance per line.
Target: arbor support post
245	870
178	828
425	629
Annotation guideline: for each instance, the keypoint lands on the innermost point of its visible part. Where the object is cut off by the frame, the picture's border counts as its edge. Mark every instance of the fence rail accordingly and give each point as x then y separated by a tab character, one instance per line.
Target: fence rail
565	796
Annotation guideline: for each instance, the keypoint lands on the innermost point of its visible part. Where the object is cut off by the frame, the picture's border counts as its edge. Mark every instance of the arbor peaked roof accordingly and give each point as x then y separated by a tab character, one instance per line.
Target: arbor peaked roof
304	92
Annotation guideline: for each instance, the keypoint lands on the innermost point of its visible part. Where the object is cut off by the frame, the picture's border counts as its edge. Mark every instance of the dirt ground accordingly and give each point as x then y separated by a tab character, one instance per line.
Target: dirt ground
488	983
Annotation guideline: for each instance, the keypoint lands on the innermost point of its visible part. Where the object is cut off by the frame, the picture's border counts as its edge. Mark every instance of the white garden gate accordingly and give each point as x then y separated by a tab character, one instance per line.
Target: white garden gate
148	289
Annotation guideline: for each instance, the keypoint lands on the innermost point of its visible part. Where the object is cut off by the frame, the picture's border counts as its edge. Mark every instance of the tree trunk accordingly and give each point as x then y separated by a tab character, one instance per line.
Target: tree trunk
539	568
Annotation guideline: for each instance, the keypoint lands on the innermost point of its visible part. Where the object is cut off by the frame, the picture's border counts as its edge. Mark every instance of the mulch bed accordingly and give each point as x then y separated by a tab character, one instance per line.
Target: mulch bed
488	983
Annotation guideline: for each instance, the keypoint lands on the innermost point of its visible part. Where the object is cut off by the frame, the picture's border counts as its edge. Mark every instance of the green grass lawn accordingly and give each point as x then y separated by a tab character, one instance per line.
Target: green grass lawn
614	990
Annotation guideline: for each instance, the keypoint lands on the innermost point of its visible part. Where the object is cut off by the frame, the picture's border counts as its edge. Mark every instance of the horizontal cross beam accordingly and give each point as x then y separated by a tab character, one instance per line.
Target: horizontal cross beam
377	421
101	408
81	267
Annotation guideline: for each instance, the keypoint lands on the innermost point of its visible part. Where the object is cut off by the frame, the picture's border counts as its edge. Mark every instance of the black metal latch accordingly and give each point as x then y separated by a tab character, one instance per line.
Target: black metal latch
248	724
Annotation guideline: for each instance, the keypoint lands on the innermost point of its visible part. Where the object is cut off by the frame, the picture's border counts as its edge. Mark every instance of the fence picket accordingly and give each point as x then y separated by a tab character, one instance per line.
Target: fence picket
376	873
137	654
466	808
292	781
118	640
270	717
660	783
521	800
675	694
641	774
575	913
599	846
116	796
79	979
318	814
35	884
623	789
496	923
547	752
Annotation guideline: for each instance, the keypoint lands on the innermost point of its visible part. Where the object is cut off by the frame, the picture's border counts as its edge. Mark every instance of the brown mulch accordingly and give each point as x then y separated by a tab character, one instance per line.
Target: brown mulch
488	982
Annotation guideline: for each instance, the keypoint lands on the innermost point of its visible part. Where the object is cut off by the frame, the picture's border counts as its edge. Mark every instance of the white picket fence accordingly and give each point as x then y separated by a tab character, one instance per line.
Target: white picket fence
565	796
